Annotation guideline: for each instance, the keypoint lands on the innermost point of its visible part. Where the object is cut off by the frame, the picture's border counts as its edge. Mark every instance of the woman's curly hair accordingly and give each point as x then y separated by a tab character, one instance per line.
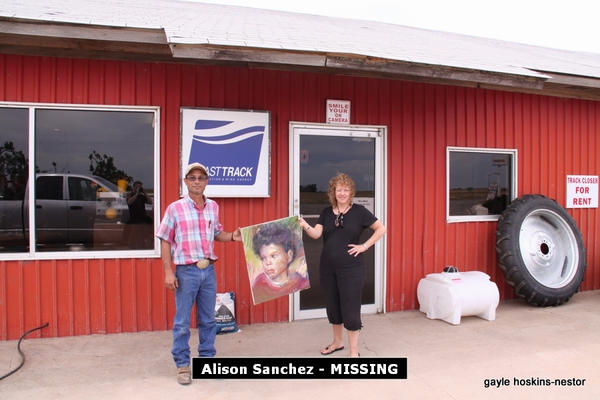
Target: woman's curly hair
340	179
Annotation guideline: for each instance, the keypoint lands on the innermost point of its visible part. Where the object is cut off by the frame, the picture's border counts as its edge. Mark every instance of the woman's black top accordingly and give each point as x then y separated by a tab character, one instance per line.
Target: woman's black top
337	239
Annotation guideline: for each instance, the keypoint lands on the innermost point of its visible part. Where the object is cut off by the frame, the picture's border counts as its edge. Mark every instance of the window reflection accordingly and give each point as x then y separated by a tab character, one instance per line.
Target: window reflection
86	164
100	154
14	236
480	182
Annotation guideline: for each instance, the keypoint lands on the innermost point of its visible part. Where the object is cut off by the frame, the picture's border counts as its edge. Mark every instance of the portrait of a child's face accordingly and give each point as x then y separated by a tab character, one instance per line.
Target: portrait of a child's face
275	259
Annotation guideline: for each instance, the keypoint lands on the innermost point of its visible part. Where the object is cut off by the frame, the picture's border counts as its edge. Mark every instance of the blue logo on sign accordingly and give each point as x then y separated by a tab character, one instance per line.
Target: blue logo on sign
231	159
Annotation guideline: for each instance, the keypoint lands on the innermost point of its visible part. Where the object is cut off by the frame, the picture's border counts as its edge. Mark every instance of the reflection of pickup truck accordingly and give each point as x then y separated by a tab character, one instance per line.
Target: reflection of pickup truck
71	210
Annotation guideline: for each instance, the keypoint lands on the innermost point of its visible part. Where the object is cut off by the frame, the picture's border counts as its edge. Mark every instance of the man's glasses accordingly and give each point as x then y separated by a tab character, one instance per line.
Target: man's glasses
199	178
339	220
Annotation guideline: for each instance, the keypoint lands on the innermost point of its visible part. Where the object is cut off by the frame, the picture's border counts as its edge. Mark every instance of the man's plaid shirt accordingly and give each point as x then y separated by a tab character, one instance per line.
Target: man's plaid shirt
190	230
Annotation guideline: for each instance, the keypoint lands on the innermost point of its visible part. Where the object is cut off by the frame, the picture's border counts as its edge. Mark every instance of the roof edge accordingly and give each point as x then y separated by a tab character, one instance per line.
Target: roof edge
355	63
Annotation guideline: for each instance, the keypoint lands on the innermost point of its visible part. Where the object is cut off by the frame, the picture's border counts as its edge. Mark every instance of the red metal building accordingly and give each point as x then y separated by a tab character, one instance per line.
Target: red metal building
554	130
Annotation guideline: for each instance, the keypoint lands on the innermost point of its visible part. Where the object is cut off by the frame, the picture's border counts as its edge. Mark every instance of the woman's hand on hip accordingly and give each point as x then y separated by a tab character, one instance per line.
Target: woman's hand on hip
356	249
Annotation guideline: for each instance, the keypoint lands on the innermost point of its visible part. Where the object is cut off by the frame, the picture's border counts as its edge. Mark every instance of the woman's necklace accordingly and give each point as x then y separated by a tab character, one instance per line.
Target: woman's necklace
346	210
339	218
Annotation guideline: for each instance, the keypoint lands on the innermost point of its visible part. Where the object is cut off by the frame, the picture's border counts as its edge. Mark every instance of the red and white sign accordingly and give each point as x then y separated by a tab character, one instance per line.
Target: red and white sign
338	111
582	191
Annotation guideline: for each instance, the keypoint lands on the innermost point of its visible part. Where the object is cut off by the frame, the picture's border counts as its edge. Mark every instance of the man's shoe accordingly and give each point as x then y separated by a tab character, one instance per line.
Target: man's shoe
184	376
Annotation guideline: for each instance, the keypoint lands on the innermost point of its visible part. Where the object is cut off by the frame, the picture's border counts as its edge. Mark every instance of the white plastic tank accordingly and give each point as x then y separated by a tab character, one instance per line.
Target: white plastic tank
450	295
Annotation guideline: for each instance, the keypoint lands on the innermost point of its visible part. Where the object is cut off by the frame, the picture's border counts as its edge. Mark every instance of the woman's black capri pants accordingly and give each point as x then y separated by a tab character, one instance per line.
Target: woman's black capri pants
342	287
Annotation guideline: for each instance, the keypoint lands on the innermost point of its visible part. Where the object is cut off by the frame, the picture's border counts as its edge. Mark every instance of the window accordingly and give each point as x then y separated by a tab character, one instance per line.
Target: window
49	188
81	189
14	126
86	160
480	183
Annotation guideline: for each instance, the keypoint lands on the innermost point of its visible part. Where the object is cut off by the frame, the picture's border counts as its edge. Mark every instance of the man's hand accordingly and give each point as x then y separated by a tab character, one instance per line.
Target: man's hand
170	280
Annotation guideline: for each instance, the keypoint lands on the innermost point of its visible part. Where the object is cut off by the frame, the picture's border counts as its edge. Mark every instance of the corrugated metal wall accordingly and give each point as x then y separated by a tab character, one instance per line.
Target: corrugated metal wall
554	137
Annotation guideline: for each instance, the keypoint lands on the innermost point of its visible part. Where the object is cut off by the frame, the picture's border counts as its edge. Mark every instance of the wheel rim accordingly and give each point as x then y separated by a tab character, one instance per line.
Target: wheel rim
548	248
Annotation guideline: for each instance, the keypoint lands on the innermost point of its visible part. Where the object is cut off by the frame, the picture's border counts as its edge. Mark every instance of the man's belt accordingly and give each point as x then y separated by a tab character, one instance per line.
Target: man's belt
205	262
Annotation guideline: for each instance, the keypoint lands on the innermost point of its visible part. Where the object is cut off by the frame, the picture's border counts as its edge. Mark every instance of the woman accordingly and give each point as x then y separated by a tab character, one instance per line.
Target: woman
343	269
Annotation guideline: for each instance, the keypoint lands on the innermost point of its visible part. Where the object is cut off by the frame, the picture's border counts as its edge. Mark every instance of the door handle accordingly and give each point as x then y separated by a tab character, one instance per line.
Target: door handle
76	208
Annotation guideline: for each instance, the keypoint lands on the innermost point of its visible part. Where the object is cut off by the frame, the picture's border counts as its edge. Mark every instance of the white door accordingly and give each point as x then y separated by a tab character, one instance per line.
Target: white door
317	153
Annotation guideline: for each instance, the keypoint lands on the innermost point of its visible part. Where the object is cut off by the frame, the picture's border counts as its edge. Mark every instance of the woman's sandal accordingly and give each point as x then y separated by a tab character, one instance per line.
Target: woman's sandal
330	350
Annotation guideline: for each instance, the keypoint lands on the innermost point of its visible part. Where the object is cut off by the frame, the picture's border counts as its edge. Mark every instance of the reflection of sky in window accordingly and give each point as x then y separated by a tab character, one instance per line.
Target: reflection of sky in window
478	170
14	122
68	137
328	155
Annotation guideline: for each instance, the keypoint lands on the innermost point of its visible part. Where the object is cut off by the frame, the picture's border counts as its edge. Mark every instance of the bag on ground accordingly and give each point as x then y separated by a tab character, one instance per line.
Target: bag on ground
225	313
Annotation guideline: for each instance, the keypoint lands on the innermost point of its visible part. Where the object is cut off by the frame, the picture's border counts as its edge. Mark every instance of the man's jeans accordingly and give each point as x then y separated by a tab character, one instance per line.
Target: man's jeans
200	286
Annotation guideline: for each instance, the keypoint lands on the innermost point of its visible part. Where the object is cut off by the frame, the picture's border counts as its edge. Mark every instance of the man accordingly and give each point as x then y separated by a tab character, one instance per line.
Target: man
275	246
136	201
138	230
187	232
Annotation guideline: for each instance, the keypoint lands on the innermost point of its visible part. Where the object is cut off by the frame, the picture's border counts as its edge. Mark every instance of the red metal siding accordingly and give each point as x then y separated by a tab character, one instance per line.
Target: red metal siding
554	137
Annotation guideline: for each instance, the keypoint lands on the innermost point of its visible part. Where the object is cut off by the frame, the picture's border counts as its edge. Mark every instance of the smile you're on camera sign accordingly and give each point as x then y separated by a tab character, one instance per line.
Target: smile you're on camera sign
233	145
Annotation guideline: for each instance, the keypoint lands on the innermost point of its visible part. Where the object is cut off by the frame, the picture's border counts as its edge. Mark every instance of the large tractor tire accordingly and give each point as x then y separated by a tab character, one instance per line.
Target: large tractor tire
540	250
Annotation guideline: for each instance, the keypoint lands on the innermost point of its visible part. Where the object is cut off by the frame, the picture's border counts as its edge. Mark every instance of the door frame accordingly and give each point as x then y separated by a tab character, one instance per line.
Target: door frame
378	132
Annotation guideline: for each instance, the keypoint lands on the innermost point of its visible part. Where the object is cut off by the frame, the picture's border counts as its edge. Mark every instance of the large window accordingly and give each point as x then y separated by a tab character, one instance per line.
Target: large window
481	183
95	173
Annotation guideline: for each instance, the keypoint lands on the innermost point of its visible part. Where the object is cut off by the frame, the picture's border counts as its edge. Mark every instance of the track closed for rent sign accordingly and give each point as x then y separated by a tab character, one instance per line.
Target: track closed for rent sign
582	191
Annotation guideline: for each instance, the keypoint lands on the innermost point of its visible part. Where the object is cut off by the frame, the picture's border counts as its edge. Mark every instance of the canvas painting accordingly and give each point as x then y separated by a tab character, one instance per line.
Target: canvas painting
275	259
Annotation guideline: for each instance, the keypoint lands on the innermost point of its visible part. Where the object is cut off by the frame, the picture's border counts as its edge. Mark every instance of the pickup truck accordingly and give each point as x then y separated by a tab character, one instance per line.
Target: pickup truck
72	212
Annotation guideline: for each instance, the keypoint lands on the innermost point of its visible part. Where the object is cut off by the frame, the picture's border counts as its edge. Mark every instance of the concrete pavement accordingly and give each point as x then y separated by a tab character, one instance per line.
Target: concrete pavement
524	347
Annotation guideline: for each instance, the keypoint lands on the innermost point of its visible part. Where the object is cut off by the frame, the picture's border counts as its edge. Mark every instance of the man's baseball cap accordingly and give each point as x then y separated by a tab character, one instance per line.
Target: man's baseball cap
194	166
